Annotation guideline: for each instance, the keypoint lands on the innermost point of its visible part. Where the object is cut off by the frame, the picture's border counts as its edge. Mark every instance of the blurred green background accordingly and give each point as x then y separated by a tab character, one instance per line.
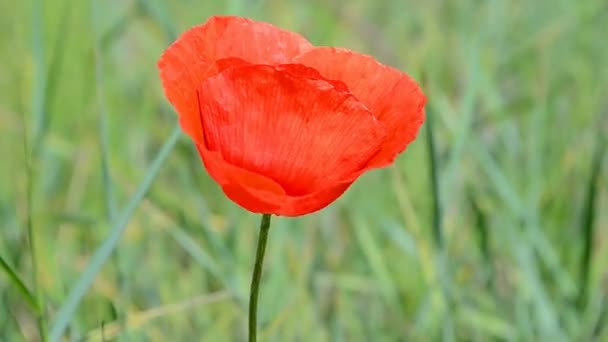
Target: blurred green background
491	227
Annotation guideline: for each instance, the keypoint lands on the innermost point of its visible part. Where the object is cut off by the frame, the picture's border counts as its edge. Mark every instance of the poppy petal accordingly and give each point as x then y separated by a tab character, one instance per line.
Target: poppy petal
392	96
288	124
250	190
191	59
296	206
260	194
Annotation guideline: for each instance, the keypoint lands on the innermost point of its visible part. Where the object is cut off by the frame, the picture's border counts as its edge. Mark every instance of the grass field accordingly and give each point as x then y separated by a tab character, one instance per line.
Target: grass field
493	226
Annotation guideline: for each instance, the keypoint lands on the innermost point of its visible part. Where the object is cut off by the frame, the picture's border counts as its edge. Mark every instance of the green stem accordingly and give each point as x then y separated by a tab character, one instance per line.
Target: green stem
257	274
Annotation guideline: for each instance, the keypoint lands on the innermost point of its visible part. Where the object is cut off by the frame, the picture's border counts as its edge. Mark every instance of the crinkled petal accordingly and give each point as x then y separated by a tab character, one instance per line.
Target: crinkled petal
392	96
289	125
191	59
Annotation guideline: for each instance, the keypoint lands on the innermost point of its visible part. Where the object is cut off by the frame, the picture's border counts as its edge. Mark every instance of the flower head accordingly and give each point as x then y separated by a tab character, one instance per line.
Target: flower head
283	126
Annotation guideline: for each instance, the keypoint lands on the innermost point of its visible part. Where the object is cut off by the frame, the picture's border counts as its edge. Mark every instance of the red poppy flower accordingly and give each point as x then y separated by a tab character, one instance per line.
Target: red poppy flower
283	126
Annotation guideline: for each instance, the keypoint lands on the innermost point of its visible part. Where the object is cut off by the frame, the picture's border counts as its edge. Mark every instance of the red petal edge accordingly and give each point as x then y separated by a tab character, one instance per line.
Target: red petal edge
191	58
392	96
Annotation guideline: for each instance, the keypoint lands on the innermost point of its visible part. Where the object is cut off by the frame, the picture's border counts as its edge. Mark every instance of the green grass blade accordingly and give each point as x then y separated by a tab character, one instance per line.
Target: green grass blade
602	321
102	254
464	125
484	238
39	94
375	258
118	29
159	12
588	220
103	121
31	237
203	258
55	65
433	166
441	259
31	146
20	285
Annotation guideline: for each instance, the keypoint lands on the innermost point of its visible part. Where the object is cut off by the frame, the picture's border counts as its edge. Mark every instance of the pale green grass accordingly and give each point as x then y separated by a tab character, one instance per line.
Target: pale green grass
504	236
